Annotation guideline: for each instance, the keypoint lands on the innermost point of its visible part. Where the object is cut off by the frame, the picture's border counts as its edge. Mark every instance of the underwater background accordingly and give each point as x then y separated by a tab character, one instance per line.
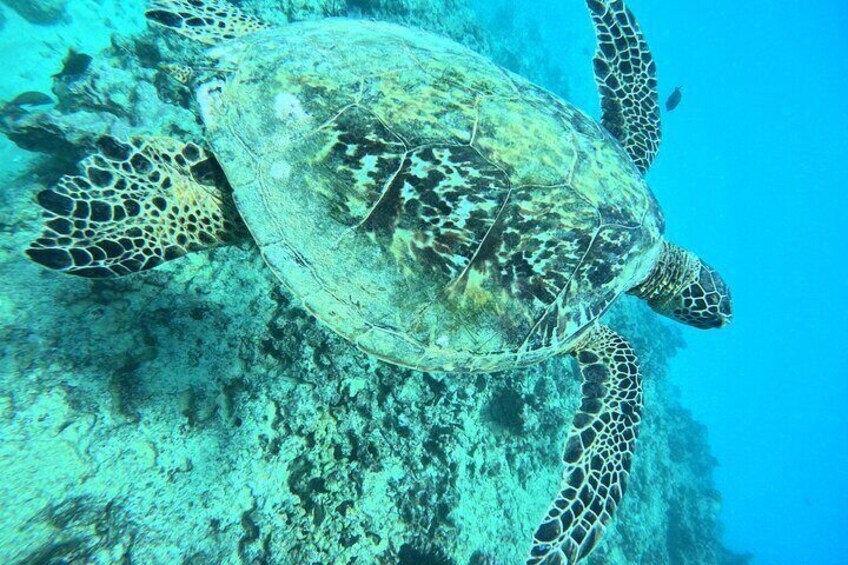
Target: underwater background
158	420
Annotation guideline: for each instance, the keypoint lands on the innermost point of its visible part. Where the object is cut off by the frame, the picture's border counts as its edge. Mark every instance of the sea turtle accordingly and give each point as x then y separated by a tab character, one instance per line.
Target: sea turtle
437	211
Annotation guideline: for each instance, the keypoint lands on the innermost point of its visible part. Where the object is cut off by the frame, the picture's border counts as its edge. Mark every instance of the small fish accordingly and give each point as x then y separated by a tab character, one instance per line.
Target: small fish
675	98
75	64
16	108
30	98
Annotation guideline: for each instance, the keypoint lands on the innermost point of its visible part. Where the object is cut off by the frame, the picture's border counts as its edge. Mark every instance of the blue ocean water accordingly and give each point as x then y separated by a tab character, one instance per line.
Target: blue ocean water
752	176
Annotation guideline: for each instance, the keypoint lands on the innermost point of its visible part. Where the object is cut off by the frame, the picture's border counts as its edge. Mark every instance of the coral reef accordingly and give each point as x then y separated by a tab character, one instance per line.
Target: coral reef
452	18
158	400
515	41
195	414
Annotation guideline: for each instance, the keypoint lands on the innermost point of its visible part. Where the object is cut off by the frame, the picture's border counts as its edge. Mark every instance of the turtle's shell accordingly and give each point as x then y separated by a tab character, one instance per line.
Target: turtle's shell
436	210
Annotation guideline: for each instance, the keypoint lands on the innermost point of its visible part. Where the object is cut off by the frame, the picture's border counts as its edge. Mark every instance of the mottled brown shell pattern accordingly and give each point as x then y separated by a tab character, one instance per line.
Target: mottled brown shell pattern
431	207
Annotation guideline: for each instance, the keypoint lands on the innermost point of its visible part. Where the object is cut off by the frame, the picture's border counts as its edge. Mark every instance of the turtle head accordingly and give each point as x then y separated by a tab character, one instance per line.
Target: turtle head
684	288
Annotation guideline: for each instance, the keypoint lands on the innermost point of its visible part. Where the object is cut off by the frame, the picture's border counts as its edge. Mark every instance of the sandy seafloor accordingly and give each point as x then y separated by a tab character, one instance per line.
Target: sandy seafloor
196	415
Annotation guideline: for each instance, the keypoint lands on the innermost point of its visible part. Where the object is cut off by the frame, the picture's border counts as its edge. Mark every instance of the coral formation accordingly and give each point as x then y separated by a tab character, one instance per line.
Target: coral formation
195	414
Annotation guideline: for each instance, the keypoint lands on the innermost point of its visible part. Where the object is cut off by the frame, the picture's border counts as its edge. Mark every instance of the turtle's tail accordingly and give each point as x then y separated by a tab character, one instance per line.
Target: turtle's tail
135	205
206	21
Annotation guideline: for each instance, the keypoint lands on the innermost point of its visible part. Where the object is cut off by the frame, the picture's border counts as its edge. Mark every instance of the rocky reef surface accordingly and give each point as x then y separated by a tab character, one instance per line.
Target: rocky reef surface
196	415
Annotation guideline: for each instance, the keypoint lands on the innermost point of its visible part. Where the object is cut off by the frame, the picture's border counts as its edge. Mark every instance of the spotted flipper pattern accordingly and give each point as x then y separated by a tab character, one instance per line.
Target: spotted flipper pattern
135	205
206	21
598	451
626	77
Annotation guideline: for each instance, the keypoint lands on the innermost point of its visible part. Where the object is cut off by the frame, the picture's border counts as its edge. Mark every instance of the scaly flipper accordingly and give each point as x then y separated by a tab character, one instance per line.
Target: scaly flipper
598	451
206	21
626	78
136	205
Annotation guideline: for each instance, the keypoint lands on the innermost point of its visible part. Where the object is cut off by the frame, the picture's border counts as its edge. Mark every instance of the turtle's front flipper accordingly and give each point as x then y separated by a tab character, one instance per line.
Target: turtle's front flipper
206	21
598	451
626	77
136	205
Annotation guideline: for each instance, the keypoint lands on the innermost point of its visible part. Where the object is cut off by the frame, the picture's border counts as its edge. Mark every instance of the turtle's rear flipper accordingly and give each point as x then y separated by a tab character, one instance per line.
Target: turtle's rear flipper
135	205
206	21
626	77
598	451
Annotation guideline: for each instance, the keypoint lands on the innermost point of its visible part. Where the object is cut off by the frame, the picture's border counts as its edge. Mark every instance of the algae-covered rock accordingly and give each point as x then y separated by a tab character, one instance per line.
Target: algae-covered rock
196	414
